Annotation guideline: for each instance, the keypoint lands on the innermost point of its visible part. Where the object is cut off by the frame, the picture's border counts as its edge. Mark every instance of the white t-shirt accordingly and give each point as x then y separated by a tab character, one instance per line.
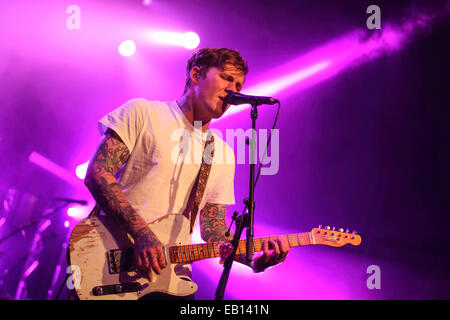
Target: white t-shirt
165	158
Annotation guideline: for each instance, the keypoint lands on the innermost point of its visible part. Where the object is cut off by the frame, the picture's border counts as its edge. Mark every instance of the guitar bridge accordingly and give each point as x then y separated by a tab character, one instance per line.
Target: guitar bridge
120	260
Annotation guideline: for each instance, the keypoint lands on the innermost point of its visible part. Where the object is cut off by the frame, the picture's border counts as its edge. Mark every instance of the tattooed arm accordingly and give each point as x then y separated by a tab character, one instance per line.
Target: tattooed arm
213	229
212	223
111	154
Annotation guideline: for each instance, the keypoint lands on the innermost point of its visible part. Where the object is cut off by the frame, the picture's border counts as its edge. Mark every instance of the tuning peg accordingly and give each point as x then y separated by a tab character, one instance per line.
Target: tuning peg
341	230
347	231
334	228
320	226
327	227
354	232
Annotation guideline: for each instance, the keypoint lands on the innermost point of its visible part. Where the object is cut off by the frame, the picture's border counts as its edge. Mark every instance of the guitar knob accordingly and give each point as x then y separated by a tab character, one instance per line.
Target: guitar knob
334	228
347	231
327	227
98	291
341	230
320	226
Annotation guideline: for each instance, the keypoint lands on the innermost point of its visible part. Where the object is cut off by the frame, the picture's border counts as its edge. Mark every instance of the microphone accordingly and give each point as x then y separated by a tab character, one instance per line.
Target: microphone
82	202
239	98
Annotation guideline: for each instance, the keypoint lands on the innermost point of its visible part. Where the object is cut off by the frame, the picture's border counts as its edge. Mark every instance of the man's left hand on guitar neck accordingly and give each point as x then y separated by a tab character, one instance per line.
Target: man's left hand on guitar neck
213	228
273	253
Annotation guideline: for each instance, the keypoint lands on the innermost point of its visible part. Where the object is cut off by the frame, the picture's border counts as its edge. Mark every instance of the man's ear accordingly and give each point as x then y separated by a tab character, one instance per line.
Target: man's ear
195	74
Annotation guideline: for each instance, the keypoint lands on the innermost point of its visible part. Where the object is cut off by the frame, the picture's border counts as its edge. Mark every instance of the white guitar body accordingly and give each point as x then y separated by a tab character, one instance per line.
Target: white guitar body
90	245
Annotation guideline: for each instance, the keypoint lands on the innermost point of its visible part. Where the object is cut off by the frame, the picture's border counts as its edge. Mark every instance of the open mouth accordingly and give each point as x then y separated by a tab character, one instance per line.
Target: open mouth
224	104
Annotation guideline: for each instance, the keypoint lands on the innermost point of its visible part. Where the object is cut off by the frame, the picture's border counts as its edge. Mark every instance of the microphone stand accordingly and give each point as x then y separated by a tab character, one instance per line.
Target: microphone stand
250	202
245	220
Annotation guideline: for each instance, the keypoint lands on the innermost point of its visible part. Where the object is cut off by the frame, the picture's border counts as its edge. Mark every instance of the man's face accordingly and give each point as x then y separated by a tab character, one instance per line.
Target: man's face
213	88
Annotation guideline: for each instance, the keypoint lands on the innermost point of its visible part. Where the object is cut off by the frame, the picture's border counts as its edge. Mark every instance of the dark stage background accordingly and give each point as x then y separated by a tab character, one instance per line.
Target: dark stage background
365	148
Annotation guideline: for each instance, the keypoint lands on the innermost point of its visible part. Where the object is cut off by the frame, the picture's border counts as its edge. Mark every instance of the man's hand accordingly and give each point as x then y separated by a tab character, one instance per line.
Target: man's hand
225	249
148	254
274	252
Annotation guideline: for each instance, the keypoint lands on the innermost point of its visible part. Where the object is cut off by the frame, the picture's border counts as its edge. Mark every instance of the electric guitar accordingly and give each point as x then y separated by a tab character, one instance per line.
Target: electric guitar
101	257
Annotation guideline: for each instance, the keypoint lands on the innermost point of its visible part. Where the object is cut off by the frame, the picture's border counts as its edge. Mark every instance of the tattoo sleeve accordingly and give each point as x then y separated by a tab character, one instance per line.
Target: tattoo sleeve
213	227
111	154
212	223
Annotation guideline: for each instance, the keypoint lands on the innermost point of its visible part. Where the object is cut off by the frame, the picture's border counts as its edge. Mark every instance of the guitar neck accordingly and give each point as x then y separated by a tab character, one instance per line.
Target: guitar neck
195	252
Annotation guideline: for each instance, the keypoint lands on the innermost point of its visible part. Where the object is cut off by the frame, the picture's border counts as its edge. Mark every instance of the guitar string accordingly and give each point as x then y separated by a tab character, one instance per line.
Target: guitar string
190	249
176	253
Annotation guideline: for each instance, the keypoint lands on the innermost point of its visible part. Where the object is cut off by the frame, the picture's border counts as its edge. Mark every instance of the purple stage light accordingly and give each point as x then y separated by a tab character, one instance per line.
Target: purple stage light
188	40
80	171
77	212
320	64
127	48
346	52
272	87
53	168
191	40
31	268
45	225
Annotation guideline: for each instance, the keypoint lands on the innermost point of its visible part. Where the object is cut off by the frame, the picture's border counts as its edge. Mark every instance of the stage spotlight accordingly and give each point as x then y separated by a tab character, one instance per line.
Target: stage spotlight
188	40
80	171
127	48
147	2
77	212
191	40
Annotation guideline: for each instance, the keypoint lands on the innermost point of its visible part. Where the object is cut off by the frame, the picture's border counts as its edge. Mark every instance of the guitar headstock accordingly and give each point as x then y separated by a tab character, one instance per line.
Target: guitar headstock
336	238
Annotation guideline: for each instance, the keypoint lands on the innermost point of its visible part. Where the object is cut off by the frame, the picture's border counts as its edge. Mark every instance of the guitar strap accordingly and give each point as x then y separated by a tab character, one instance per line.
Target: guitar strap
199	186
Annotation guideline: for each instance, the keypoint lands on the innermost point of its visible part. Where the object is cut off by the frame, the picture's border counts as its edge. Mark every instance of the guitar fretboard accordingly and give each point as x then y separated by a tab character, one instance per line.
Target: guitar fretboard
195	252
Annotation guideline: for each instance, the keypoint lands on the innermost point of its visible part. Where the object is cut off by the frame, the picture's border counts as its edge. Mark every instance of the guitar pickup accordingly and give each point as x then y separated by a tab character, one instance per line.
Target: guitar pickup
120	260
116	288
